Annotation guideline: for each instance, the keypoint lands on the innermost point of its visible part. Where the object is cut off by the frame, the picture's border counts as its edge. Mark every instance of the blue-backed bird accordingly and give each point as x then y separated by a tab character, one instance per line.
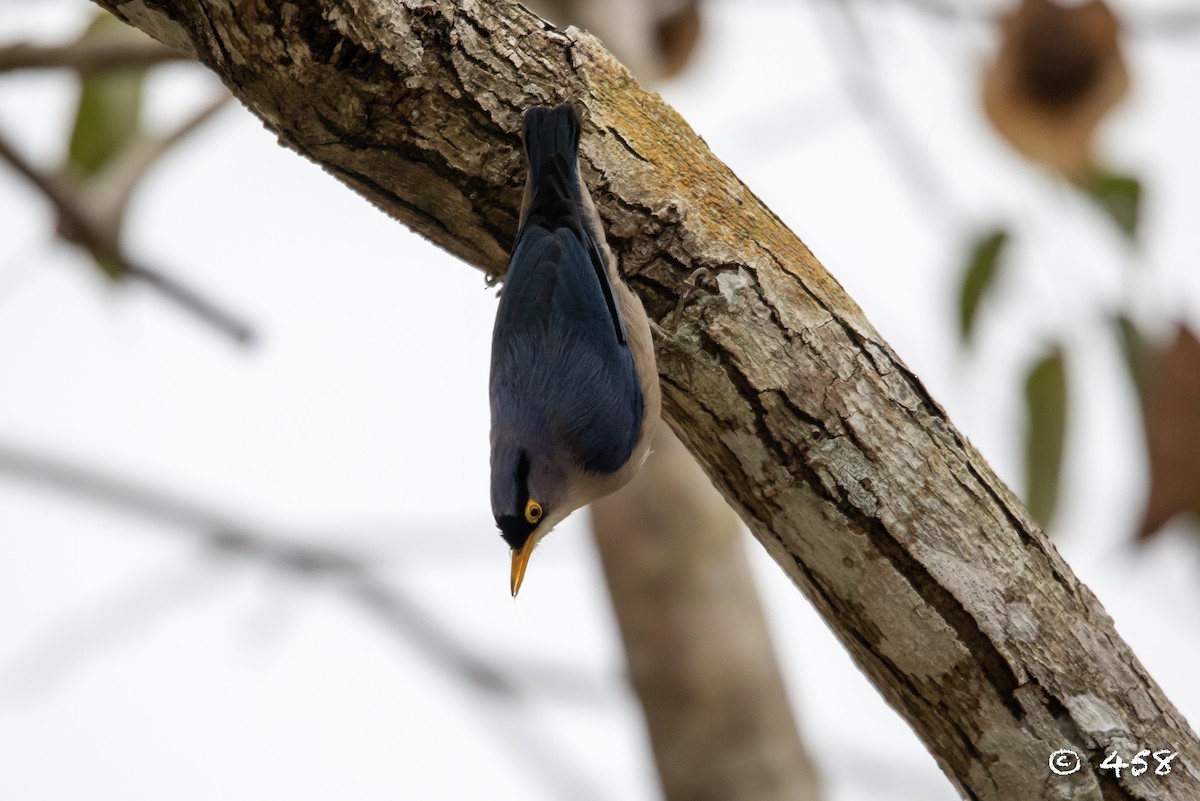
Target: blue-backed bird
574	389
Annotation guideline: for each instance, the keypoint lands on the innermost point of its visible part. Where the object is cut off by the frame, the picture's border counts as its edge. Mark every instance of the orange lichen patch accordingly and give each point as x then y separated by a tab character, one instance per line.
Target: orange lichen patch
718	219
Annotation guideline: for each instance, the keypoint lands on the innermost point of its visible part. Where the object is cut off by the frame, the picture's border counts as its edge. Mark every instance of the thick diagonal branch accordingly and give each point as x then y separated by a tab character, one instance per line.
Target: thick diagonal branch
930	571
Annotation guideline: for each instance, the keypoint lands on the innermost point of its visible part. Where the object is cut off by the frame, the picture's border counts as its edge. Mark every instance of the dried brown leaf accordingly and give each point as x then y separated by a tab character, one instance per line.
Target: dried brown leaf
1058	73
676	36
1172	415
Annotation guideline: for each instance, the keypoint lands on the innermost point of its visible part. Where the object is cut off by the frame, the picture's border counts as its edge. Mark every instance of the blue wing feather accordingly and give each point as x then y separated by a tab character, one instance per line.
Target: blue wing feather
559	373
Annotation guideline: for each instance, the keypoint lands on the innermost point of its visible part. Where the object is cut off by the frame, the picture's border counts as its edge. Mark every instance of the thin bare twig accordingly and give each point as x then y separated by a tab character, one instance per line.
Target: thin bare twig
97	628
1159	23
883	118
123	175
355	576
87	57
76	226
226	535
953	10
1165	23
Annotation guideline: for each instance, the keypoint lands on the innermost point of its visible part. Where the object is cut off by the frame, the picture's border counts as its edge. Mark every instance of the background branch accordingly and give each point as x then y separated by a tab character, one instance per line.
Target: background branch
223	534
1183	20
76	225
86	57
699	655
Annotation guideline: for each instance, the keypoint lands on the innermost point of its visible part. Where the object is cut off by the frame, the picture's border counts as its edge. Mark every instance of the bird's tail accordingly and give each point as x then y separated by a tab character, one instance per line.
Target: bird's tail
551	144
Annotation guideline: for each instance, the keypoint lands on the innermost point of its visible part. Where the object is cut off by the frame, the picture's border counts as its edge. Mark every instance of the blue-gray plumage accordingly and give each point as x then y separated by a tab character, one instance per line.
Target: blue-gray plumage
574	389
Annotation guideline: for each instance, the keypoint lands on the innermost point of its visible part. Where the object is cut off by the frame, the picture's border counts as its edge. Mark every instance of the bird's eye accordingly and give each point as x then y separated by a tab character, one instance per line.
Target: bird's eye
533	511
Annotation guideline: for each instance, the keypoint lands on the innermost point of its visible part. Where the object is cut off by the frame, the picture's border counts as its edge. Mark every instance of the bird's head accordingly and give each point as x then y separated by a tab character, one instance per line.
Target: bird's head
530	496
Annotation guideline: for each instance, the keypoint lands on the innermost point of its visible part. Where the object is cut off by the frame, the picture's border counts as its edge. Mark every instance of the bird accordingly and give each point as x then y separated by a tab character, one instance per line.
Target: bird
573	385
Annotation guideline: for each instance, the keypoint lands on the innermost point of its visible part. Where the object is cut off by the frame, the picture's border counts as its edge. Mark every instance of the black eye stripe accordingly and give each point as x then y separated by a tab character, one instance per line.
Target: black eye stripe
522	480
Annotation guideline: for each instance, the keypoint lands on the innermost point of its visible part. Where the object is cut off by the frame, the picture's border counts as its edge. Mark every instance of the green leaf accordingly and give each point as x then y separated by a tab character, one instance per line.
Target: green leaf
1134	349
978	276
1046	434
110	104
1119	196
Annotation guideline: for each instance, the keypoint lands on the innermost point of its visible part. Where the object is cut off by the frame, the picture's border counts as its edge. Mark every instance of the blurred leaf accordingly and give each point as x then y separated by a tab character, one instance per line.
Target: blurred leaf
1120	196
1172	415
113	268
1134	349
978	278
1046	434
109	109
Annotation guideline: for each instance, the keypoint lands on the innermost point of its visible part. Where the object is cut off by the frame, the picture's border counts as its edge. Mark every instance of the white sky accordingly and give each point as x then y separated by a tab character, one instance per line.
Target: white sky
135	666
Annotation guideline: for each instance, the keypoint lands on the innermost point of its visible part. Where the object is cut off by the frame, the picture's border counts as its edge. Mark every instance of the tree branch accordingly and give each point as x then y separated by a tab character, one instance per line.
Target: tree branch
511	681
358	575
86	57
932	574
78	226
1184	20
696	643
124	173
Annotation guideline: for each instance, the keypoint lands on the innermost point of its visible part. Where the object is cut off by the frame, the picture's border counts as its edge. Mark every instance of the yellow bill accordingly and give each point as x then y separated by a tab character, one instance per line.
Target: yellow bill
520	561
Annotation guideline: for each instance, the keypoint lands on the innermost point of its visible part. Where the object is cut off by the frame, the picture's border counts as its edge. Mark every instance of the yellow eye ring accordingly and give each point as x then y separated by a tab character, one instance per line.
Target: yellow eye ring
533	511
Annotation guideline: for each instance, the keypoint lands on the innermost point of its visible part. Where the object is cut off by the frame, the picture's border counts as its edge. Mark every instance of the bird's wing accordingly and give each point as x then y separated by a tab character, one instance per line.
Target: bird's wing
610	300
556	204
553	321
551	285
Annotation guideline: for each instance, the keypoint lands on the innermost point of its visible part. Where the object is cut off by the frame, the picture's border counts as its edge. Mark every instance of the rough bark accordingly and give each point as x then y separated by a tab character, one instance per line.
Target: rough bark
934	577
699	656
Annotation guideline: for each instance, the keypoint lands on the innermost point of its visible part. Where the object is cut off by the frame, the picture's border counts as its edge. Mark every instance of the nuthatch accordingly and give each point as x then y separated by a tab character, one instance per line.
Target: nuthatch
574	388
